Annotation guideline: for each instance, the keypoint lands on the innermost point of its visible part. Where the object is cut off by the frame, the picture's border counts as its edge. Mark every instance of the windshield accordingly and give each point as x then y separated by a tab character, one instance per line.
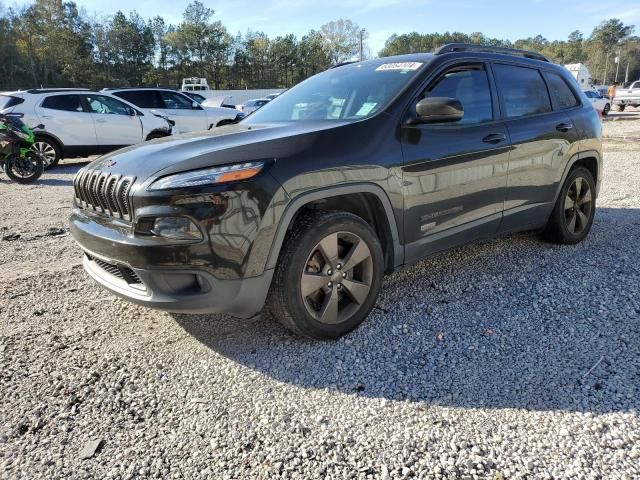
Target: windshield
350	92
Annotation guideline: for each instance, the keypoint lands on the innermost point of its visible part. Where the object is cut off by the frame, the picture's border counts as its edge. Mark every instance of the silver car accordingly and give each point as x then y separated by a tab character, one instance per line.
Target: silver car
81	122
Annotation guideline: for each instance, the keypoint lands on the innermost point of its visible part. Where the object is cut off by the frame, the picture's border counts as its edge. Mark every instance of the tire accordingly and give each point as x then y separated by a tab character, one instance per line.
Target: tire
24	170
621	108
571	221
606	110
49	150
340	286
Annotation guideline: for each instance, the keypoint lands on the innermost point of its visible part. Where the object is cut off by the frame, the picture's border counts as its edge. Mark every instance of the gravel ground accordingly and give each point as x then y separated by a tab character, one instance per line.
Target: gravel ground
509	359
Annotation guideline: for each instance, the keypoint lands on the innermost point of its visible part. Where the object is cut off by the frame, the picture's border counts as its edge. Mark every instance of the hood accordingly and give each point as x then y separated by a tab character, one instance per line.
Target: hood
219	146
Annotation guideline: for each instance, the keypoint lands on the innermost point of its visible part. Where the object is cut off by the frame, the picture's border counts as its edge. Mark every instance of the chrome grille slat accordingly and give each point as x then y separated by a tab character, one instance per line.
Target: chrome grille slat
104	192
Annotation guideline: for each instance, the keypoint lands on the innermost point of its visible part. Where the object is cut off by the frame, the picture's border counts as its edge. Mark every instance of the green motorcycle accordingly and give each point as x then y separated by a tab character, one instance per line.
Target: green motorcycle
17	159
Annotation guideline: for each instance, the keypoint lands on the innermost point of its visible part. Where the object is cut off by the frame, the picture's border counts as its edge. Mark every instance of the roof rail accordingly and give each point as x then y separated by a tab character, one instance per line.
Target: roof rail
55	90
473	47
342	64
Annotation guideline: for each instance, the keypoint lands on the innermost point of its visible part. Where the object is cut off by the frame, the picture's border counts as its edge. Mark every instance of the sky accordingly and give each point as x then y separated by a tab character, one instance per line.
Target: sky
554	19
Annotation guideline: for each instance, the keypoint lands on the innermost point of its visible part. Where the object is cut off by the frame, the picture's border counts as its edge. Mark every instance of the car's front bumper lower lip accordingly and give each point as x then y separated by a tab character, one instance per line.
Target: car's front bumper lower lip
177	288
184	291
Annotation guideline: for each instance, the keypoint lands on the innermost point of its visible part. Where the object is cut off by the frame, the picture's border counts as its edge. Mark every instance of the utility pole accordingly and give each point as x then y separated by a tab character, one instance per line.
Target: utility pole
362	44
626	75
606	64
617	59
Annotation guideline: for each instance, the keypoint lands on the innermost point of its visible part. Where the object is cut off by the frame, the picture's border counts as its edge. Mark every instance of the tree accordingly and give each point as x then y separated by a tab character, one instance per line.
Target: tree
341	40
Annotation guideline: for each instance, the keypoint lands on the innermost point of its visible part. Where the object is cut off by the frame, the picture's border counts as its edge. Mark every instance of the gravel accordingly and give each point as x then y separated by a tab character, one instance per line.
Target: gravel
508	359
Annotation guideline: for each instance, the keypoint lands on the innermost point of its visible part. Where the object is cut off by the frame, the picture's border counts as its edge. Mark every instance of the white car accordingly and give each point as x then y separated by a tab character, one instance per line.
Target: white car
600	103
80	122
188	115
251	106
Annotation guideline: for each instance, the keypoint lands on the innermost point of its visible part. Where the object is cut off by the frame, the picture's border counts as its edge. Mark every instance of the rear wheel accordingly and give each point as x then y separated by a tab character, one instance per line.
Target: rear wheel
329	275
573	213
24	170
606	110
49	150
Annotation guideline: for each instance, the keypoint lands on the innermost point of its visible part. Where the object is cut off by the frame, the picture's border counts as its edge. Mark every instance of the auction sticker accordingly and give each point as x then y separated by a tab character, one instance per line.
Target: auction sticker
403	66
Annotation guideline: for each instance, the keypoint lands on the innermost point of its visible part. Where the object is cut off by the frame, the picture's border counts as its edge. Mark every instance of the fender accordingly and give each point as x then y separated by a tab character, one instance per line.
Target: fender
572	161
334	191
45	133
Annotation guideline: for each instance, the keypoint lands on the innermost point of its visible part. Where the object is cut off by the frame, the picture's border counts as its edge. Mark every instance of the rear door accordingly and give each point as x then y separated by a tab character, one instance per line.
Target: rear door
65	116
115	124
181	109
543	138
455	174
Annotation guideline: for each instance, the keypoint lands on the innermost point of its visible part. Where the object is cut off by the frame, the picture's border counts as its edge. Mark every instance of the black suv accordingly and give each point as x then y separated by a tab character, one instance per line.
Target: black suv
353	173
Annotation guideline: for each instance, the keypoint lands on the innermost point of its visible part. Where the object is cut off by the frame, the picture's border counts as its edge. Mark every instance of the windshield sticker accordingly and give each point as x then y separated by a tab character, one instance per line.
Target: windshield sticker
402	66
366	109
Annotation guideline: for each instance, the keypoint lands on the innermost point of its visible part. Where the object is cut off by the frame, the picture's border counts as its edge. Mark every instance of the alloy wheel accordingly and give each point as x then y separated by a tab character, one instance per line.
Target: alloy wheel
337	277
578	205
46	151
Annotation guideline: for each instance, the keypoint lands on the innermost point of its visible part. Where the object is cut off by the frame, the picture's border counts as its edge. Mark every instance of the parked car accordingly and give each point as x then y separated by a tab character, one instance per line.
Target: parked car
600	103
195	96
353	173
82	122
252	105
271	96
628	97
187	114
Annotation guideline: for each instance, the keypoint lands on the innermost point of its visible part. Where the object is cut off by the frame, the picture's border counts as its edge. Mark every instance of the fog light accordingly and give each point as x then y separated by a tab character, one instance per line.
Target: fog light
176	228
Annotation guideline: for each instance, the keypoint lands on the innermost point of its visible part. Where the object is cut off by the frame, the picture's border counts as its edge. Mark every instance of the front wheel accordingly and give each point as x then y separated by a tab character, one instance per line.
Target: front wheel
328	276
606	110
24	170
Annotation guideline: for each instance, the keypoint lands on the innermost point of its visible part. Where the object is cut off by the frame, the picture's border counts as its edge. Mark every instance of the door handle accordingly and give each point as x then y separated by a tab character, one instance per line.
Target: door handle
564	127
101	120
494	138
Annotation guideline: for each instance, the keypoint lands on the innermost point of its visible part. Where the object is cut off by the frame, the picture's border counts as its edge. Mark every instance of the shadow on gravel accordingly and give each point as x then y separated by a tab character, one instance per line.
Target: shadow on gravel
510	323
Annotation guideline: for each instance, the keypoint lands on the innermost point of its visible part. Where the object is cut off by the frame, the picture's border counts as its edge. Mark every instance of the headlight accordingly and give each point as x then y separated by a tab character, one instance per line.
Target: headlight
176	228
209	176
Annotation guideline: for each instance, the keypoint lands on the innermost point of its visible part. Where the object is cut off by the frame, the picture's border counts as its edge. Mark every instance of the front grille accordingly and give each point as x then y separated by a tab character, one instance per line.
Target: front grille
119	271
106	193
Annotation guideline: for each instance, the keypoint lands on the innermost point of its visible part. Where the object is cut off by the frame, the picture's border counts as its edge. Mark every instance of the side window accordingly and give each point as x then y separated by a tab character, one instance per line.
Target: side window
67	103
523	90
141	98
107	105
635	85
562	95
175	101
470	85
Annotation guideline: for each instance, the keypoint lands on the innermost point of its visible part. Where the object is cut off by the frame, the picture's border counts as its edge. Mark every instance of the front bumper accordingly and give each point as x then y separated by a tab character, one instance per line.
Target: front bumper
116	261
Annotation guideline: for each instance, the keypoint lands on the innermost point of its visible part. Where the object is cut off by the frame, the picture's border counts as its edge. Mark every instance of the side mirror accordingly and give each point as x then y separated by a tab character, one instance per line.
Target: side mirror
439	110
195	105
40	126
131	112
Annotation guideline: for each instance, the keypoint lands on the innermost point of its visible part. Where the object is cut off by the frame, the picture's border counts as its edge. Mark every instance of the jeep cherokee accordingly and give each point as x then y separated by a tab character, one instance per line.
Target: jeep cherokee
353	173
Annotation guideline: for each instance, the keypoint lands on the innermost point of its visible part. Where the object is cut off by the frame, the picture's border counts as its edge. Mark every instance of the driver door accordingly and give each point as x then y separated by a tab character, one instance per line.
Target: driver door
455	174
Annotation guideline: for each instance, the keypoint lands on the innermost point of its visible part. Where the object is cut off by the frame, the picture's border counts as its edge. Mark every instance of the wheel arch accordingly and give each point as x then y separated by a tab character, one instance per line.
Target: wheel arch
156	133
367	200
51	136
591	160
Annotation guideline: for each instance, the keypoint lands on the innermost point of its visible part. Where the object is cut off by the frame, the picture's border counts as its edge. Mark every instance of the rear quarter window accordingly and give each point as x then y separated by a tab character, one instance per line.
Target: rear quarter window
7	101
523	90
562	95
